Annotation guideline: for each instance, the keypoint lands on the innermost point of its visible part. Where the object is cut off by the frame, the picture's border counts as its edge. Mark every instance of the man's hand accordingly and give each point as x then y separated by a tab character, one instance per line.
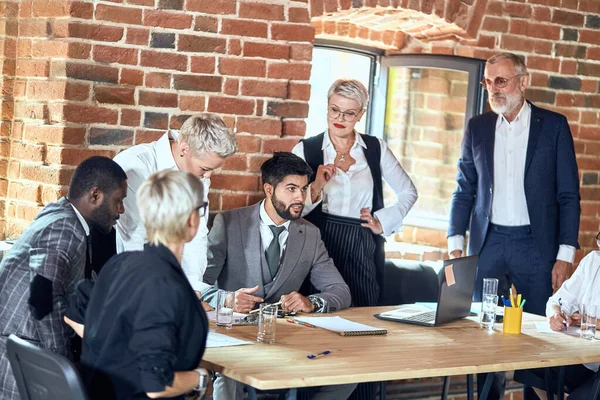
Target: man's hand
455	254
323	175
560	273
295	302
244	301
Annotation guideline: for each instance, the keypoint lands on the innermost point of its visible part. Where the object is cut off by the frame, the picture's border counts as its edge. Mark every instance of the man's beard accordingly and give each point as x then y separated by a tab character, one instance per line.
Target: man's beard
284	212
511	102
101	217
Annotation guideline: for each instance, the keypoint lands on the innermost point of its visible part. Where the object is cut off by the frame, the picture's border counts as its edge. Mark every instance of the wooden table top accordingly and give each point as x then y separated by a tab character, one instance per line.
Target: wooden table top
407	351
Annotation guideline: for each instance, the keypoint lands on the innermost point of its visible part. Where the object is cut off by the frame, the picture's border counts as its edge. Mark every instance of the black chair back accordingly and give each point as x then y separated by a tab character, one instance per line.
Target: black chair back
41	374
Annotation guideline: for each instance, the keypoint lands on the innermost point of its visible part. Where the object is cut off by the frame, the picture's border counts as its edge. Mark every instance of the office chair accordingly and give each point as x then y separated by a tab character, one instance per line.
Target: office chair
41	374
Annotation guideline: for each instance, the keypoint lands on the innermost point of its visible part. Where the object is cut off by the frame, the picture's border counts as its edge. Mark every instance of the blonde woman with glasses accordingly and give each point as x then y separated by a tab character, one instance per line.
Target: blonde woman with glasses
345	197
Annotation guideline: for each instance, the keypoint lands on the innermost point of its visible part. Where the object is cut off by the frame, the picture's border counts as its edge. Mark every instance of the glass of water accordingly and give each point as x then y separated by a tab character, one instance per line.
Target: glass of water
225	306
267	322
588	321
489	301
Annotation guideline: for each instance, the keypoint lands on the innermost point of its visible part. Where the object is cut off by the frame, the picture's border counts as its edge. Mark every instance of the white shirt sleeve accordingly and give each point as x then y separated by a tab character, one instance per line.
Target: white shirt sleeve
566	253
456	242
131	233
406	193
572	290
308	204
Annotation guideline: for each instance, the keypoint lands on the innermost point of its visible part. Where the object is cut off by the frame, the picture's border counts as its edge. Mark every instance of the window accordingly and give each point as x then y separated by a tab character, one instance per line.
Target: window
419	106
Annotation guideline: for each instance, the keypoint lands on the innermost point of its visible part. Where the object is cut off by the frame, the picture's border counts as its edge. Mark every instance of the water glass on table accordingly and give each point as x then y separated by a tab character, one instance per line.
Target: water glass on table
588	321
489	301
225	306
267	322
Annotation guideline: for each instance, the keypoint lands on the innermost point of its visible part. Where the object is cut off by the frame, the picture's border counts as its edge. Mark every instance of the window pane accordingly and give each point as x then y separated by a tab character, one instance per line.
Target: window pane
424	122
327	66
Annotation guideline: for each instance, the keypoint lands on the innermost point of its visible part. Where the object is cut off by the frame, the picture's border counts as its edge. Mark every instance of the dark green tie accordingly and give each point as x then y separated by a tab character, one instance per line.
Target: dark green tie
274	250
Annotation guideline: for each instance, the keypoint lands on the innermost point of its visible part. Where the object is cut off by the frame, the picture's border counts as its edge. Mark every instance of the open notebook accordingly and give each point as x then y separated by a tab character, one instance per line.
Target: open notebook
343	326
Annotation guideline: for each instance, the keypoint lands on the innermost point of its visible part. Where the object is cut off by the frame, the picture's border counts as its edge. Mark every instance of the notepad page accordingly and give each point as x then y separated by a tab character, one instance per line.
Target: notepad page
337	324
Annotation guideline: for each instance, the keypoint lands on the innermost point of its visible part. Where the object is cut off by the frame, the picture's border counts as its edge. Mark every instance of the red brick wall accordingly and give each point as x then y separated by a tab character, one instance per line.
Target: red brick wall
93	77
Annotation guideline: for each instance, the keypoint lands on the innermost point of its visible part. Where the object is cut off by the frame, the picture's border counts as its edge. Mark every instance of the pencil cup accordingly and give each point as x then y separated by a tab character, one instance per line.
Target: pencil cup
267	322
513	316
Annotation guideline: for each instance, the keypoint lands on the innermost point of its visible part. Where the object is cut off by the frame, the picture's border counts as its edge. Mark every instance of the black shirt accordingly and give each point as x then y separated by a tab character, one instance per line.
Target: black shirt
143	322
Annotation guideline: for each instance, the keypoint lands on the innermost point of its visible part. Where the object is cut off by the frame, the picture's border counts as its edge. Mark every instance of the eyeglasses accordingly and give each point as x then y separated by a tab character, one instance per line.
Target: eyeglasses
598	236
335	112
202	209
499	82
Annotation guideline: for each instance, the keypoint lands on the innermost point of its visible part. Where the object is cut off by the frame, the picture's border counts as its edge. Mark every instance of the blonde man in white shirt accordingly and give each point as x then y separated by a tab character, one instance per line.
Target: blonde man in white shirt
581	288
200	147
517	192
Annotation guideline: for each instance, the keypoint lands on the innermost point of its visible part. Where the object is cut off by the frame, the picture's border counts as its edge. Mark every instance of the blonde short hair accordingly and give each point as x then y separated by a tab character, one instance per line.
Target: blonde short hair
207	133
351	89
165	202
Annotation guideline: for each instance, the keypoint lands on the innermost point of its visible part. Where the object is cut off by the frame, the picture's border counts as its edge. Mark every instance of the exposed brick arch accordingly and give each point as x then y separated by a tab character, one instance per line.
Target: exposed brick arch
389	24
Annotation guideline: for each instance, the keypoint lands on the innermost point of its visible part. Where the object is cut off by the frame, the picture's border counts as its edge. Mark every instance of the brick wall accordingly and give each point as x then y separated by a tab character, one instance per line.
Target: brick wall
93	77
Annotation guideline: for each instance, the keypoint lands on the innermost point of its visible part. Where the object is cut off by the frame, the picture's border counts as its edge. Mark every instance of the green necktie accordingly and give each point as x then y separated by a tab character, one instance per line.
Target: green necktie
274	250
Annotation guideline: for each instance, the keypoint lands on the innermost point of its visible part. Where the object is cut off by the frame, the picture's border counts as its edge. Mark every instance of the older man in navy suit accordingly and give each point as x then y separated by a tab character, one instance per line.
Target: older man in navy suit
518	190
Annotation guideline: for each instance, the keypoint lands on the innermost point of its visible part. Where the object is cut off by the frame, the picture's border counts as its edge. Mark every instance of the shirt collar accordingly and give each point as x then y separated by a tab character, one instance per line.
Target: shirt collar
84	223
264	217
524	112
327	141
164	155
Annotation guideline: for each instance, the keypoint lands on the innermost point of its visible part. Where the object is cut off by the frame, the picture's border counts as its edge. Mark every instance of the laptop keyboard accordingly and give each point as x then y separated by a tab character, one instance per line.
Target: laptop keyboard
425	317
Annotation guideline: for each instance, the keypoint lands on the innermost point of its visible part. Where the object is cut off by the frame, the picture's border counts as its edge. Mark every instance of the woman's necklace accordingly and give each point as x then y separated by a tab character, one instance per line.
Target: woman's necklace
342	154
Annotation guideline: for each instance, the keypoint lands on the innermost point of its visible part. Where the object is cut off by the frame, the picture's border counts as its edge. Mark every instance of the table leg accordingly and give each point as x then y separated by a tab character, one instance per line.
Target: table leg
293	394
470	389
549	394
446	388
487	386
382	391
596	387
561	382
251	393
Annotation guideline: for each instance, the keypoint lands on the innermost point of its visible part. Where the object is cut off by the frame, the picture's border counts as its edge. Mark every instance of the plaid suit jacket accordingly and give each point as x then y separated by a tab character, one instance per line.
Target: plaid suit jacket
53	246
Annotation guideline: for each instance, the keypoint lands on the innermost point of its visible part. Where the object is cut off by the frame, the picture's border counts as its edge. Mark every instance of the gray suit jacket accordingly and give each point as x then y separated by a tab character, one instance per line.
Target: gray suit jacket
235	260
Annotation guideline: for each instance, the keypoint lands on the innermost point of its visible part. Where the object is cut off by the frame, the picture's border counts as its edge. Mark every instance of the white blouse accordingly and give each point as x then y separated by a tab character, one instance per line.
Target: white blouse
347	193
582	287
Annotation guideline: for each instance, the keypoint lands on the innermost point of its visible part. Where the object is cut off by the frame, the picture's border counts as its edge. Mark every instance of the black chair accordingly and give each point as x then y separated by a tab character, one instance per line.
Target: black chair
41	374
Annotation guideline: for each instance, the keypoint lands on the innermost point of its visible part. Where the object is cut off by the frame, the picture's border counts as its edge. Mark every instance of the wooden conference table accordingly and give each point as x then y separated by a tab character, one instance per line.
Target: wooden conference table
407	351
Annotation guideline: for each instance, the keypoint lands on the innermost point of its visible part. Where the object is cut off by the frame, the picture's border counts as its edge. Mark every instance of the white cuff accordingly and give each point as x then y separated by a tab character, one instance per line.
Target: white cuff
566	253
456	242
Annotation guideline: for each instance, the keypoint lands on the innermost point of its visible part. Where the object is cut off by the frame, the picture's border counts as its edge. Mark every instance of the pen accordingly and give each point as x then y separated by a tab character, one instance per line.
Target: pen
523	303
518	301
313	356
504	301
511	299
562	312
293	321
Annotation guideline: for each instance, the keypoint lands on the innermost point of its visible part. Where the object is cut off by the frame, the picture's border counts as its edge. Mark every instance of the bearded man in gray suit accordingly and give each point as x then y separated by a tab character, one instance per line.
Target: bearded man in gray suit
265	251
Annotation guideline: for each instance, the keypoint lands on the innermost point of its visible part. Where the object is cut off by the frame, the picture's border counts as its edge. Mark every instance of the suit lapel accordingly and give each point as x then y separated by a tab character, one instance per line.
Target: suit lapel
250	234
489	142
293	250
535	131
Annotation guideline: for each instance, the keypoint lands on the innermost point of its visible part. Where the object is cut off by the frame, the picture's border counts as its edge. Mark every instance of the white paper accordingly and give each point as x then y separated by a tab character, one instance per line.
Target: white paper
337	324
544	327
408	310
220	340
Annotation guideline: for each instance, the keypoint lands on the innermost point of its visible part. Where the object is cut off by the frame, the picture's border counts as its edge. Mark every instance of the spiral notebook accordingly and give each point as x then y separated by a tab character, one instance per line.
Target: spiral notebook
343	326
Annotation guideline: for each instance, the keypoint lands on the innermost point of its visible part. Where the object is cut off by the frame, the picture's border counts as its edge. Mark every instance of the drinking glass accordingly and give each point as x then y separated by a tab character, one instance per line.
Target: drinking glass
588	321
225	306
267	322
489	301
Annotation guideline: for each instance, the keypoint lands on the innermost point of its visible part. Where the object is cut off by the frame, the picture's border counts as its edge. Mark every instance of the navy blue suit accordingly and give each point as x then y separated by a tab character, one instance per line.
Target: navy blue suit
520	255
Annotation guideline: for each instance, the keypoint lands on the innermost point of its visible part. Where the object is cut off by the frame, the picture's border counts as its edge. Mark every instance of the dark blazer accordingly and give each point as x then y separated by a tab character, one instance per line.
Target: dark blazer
236	260
551	182
143	322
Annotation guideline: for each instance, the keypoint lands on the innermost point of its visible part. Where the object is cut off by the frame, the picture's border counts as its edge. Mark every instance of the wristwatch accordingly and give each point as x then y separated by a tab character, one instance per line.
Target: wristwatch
202	381
318	303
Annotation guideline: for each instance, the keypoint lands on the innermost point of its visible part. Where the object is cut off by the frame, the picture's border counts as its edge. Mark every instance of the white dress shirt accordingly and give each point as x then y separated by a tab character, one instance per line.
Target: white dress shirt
84	223
583	287
346	193
139	162
509	204
266	235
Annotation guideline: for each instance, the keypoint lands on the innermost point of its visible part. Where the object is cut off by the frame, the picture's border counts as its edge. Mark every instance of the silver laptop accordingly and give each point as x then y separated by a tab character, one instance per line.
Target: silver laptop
457	281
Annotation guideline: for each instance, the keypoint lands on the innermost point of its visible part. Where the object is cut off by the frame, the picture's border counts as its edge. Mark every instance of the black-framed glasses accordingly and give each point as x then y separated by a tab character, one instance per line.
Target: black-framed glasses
499	81
202	209
349	115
